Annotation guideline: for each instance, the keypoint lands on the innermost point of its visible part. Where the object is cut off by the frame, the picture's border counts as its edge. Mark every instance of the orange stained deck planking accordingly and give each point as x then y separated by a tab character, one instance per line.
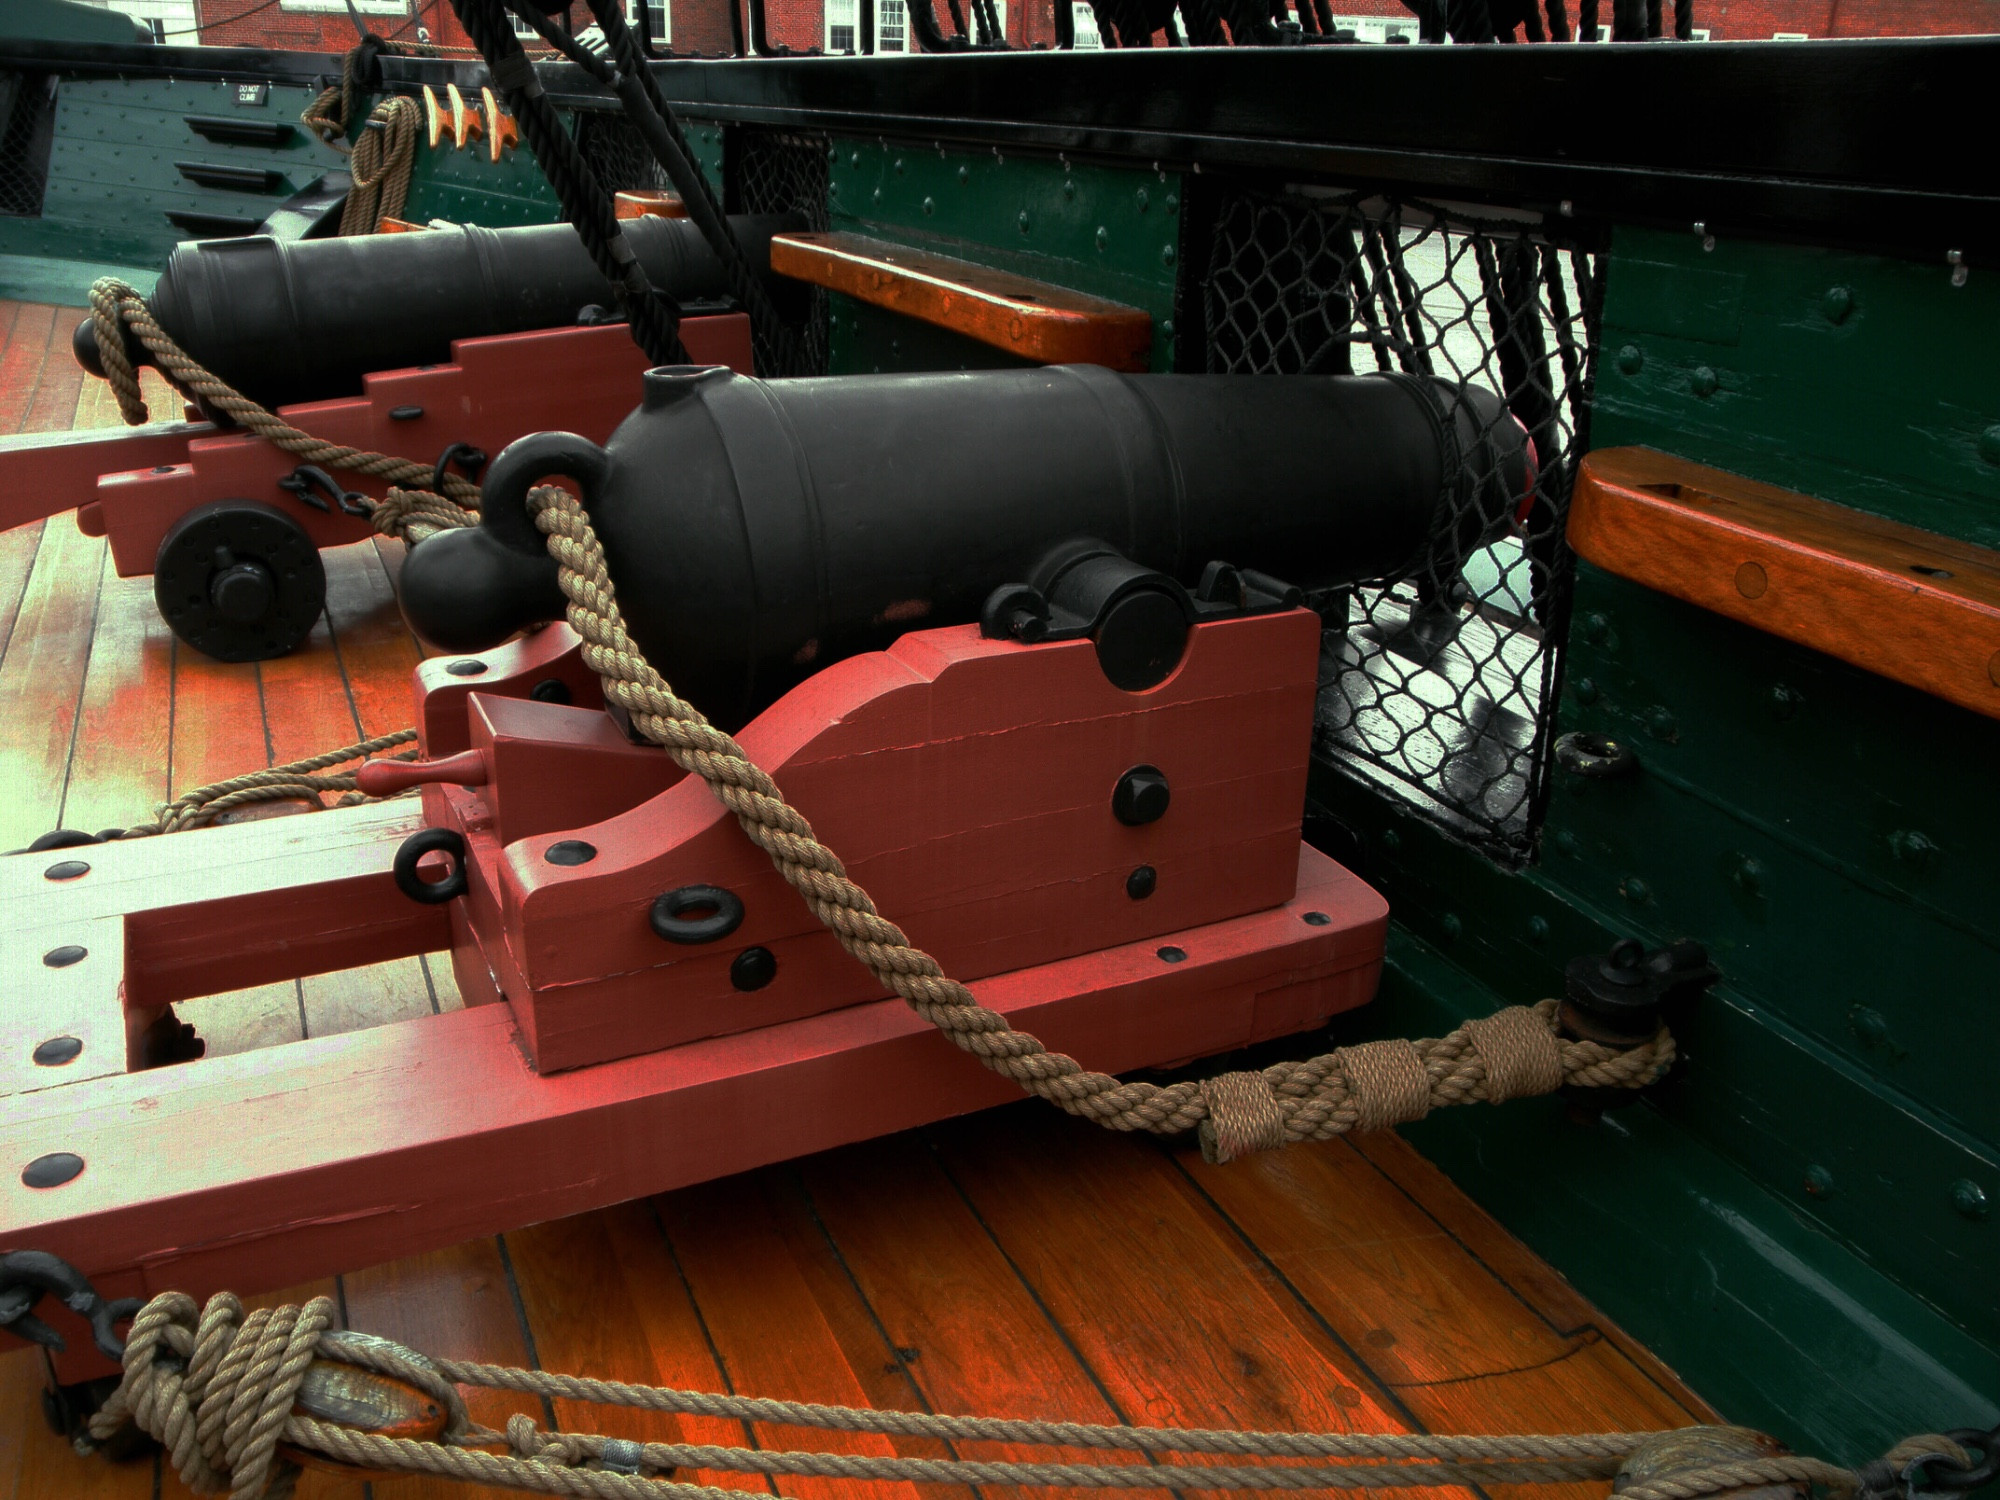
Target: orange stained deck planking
1013	1263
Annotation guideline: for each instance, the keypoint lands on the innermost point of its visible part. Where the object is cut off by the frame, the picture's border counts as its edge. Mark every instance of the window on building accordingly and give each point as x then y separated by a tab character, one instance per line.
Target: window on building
1087	39
1789	36
891	21
659	18
1701	34
842	25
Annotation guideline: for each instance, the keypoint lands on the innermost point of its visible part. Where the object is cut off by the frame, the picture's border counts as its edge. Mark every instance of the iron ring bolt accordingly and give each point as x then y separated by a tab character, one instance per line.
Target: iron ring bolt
425	841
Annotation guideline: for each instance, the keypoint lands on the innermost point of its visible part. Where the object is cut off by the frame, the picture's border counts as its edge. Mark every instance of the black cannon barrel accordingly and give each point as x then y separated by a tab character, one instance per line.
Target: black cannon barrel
303	320
757	530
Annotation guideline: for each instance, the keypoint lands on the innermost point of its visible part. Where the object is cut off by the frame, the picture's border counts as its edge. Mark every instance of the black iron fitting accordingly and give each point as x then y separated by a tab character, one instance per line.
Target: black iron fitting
26	1276
1617	998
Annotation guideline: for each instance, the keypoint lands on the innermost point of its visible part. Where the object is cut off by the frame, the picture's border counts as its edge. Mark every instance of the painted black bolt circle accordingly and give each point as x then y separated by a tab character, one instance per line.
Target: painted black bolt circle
696	914
1141	796
424	841
66	869
1172	955
1142	882
52	1170
67	954
239	581
753	969
58	1050
551	690
570	852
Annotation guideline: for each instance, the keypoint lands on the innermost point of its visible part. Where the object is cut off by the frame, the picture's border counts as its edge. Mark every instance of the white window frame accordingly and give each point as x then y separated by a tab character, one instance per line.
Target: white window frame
663	16
846	16
1790	36
883	31
1085	21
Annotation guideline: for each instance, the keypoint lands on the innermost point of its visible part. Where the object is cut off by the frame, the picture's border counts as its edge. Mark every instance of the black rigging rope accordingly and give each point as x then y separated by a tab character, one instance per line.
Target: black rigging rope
652	316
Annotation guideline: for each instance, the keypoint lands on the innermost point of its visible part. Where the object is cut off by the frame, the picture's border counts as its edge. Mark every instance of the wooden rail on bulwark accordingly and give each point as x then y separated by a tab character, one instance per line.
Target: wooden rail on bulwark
1911	605
1034	319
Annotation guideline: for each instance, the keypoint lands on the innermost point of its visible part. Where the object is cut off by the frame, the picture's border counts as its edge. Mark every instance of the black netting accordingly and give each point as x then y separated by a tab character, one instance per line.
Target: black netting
616	152
1437	685
27	132
785	172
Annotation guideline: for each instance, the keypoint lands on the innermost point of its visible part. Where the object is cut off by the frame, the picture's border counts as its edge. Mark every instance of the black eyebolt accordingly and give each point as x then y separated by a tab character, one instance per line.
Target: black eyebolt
424	841
26	1276
696	914
1596	756
470	460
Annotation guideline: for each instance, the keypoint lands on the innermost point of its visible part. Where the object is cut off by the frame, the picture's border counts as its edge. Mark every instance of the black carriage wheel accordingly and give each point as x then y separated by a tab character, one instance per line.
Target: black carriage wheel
239	581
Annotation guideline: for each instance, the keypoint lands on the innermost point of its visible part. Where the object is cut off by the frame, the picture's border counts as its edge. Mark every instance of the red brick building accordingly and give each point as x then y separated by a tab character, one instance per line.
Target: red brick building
702	26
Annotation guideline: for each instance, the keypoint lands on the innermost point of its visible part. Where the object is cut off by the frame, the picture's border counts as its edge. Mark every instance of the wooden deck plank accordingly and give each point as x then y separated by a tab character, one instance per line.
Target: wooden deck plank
52	405
961	1323
602	1295
21	361
35	1463
377	651
456	1303
17	564
1175	1316
41	680
119	761
1433	1322
1525	1275
768	1327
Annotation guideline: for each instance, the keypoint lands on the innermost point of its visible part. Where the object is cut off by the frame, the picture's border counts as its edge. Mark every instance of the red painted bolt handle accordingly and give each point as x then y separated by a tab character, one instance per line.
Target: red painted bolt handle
380	778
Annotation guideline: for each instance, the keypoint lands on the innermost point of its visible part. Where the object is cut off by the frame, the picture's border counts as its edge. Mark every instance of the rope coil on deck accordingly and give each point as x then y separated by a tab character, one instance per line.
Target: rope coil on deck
217	1387
1516	1052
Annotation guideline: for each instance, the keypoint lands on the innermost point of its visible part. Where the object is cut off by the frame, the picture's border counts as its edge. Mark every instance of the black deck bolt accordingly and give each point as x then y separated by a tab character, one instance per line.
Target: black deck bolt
58	1050
405	413
467	668
753	969
1141	796
66	869
1318	919
1172	955
52	1170
1142	882
551	690
63	957
570	852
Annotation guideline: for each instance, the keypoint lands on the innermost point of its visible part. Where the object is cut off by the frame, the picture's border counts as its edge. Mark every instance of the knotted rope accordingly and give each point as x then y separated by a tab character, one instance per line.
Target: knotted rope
1513	1053
412	507
299	780
219	1389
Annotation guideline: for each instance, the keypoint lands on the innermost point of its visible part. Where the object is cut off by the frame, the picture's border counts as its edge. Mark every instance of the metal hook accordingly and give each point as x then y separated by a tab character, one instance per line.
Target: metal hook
307	478
26	1276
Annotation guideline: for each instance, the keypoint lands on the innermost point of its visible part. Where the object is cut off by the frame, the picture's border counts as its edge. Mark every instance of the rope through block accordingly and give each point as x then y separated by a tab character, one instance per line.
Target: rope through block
219	1388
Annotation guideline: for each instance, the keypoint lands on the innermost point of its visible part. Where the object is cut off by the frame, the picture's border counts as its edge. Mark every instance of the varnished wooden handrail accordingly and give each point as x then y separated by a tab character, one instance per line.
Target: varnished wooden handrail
1911	605
1034	319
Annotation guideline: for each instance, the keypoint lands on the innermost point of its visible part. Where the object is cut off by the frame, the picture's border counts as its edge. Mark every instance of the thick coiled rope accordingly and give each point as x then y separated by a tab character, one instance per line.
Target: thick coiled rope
1515	1052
